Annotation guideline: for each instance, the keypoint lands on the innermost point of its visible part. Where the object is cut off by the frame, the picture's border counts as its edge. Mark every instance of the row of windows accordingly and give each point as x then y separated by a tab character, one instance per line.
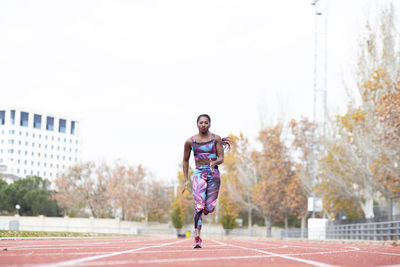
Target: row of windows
39	164
38	173
51	156
37	121
46	137
52	147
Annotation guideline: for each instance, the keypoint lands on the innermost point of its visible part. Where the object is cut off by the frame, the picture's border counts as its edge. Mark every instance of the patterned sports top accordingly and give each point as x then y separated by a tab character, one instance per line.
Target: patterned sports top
204	150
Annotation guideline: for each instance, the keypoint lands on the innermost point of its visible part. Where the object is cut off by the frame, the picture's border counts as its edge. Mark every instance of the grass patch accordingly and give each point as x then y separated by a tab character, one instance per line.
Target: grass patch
10	233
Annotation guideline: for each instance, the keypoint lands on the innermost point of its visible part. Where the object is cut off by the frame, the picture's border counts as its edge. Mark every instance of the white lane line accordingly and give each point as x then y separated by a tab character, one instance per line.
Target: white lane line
81	260
311	262
378	252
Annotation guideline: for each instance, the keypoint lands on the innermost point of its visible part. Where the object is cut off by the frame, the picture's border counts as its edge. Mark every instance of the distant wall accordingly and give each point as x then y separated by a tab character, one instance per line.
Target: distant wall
117	226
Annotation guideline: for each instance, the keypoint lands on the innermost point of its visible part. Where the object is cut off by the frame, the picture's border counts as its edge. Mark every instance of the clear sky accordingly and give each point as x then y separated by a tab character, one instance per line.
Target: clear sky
137	73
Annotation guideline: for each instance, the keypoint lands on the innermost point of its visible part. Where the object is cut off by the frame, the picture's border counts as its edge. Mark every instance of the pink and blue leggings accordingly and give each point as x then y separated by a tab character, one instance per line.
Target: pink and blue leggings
205	185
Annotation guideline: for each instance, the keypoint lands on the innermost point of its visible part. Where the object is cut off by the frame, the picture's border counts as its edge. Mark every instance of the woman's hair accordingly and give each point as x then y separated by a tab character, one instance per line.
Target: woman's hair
204	115
226	142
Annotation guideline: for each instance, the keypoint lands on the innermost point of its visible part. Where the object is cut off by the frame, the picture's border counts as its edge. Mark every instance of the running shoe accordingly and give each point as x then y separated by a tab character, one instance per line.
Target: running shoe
197	242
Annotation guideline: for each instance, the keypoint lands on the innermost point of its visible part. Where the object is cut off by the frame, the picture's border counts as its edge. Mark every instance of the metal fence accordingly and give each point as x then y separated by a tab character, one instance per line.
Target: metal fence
294	233
365	231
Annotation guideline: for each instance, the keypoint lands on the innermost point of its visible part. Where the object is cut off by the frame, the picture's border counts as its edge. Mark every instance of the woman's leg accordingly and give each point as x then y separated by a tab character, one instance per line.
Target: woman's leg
199	188
213	184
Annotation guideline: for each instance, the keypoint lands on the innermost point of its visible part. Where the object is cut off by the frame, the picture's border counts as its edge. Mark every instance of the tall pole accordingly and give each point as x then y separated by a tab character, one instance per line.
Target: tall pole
320	82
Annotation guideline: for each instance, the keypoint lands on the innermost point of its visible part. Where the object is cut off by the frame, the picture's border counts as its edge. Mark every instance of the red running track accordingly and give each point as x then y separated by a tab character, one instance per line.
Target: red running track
150	251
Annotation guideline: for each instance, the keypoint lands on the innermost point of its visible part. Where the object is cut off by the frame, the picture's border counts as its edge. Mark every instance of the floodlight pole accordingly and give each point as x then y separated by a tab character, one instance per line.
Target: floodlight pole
320	82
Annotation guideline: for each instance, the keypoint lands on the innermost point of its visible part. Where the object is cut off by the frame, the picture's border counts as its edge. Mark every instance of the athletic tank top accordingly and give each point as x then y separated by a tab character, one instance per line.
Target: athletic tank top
204	150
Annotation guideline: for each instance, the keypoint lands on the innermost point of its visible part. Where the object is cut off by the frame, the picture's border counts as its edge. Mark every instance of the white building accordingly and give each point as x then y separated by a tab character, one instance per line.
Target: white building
36	143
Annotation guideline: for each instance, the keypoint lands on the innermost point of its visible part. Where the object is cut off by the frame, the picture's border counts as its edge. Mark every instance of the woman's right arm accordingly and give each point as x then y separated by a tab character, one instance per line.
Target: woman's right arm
185	163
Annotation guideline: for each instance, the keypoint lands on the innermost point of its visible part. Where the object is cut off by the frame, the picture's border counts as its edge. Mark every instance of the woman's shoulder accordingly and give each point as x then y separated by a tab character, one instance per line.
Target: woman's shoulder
217	137
189	140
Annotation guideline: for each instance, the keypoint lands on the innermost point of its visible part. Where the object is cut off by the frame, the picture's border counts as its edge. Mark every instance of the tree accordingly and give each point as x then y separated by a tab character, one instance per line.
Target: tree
127	190
158	198
88	184
241	174
31	193
183	204
301	151
274	168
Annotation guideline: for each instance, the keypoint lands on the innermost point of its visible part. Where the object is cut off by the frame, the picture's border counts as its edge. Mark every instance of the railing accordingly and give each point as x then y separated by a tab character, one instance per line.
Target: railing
365	231
294	233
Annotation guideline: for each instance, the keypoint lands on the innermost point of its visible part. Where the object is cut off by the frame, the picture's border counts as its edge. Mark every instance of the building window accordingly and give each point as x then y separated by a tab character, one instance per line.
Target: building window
10	151
18	171
24	171
62	126
11	131
73	127
11	141
33	144
19	142
37	121
20	133
2	117
19	152
24	119
12	117
25	162
33	135
50	124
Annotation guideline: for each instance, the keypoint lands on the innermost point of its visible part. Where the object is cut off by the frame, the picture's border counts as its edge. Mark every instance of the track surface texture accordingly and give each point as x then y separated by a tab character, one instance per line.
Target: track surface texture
166	251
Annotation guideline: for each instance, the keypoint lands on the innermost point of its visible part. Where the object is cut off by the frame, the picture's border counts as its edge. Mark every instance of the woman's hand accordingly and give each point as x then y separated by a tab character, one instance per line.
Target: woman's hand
185	186
212	165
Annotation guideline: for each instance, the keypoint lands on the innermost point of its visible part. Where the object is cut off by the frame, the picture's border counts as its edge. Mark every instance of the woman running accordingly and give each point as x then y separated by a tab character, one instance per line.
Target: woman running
208	151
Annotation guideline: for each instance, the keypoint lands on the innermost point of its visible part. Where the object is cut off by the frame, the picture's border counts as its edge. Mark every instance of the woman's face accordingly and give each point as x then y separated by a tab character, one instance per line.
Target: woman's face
203	124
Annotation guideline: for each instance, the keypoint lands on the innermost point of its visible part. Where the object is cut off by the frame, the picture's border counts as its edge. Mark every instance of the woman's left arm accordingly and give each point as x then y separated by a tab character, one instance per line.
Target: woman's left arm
220	152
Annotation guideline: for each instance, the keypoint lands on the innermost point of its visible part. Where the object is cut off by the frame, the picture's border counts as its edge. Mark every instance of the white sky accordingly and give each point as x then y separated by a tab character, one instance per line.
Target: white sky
137	73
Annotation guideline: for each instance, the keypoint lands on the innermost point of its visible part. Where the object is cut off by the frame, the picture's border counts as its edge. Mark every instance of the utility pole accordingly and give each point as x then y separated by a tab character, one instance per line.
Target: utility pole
320	82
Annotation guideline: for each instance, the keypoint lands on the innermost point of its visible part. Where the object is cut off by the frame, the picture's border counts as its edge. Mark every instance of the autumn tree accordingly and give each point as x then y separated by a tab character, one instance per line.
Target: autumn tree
274	168
183	204
241	174
126	190
158	198
88	185
361	163
302	152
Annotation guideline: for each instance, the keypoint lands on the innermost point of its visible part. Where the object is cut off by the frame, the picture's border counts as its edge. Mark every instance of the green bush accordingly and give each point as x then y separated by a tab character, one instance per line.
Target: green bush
176	219
228	222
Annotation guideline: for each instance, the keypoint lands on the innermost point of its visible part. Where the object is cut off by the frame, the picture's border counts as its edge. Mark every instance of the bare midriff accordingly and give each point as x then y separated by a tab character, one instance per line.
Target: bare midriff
204	161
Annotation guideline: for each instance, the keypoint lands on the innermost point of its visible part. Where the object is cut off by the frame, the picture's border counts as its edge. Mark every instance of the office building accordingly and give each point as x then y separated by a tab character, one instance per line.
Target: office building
36	143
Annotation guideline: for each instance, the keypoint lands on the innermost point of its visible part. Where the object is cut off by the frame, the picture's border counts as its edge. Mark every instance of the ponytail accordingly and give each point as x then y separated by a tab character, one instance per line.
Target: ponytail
226	144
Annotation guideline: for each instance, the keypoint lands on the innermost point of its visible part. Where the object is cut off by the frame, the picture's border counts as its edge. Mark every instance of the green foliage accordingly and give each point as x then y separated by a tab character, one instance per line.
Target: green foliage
31	193
177	222
228	221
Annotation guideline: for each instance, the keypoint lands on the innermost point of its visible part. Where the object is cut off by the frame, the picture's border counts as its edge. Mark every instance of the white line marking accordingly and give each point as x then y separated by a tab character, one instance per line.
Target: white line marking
378	252
81	260
311	262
